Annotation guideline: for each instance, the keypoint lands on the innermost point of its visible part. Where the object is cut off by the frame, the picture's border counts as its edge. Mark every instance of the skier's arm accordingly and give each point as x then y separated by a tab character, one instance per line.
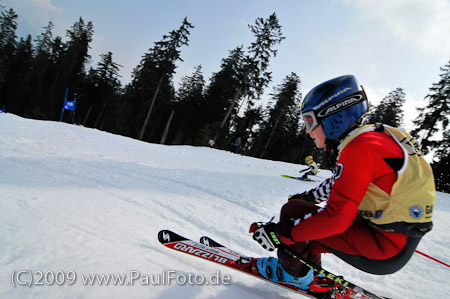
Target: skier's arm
342	206
318	194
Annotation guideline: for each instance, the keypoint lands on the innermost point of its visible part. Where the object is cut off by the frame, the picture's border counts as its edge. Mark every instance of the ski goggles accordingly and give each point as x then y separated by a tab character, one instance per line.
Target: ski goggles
310	119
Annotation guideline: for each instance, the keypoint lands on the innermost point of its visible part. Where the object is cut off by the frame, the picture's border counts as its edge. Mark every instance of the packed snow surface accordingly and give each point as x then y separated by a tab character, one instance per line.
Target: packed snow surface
76	202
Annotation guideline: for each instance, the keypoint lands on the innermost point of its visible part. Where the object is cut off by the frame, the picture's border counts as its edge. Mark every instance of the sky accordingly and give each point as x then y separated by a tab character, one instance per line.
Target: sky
385	44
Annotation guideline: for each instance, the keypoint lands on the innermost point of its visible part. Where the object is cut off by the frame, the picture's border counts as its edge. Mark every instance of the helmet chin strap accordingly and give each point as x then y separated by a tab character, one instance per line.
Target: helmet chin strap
331	151
332	144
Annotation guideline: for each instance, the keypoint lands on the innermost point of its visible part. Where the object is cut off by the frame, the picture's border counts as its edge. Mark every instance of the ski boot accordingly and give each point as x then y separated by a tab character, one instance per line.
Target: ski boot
318	285
270	268
325	288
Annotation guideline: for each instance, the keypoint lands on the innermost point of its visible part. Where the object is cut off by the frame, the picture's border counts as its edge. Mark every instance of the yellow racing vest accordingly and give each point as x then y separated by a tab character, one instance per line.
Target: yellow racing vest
314	168
409	207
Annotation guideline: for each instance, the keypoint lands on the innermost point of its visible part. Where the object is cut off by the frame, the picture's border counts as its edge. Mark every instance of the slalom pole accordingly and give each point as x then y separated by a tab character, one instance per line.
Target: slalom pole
432	258
65	100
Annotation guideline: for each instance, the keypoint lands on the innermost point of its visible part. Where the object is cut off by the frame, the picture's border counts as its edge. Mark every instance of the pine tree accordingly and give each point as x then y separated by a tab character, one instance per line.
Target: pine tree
69	61
254	77
268	35
17	85
104	93
390	110
251	70
16	61
278	138
48	52
153	75
8	43
80	36
434	117
188	109
44	41
441	165
432	126
221	92
247	126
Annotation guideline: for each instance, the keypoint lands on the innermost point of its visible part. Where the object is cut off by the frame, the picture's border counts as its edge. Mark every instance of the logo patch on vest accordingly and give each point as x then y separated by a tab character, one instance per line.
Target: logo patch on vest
378	214
416	212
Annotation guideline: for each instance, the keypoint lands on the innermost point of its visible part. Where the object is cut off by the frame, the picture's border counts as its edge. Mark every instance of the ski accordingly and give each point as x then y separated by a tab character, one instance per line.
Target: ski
213	251
222	256
352	290
211	243
298	178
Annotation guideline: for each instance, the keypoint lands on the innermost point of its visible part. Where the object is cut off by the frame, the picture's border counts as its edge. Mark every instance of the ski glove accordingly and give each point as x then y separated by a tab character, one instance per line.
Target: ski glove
306	196
273	235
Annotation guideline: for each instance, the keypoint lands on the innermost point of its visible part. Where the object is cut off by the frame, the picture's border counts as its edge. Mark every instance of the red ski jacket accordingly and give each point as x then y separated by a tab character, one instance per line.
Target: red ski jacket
361	162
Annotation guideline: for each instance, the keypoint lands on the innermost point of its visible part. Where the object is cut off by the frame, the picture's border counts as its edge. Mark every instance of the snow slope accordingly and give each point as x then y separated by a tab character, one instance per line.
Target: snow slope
81	201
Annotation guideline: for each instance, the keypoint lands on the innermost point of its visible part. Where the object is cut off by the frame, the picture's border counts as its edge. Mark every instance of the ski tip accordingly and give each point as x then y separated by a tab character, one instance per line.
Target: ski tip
166	236
209	242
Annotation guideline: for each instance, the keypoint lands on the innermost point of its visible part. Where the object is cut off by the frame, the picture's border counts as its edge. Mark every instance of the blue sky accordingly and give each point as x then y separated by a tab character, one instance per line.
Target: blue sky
386	44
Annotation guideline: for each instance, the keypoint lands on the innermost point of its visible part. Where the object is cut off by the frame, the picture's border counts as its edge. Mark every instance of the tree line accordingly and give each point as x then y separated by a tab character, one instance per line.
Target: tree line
35	73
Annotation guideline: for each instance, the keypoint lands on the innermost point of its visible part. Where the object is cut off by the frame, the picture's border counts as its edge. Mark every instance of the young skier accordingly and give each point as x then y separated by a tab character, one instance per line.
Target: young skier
379	201
312	168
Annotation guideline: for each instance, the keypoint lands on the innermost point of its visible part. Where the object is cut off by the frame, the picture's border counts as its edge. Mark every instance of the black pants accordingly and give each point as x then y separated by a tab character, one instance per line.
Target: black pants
380	267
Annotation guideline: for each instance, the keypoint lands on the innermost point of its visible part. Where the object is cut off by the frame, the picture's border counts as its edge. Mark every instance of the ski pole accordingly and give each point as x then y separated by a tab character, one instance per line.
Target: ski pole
331	276
432	258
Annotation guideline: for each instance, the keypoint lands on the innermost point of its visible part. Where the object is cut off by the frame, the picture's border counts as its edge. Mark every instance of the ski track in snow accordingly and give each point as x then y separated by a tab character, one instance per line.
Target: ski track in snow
74	198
